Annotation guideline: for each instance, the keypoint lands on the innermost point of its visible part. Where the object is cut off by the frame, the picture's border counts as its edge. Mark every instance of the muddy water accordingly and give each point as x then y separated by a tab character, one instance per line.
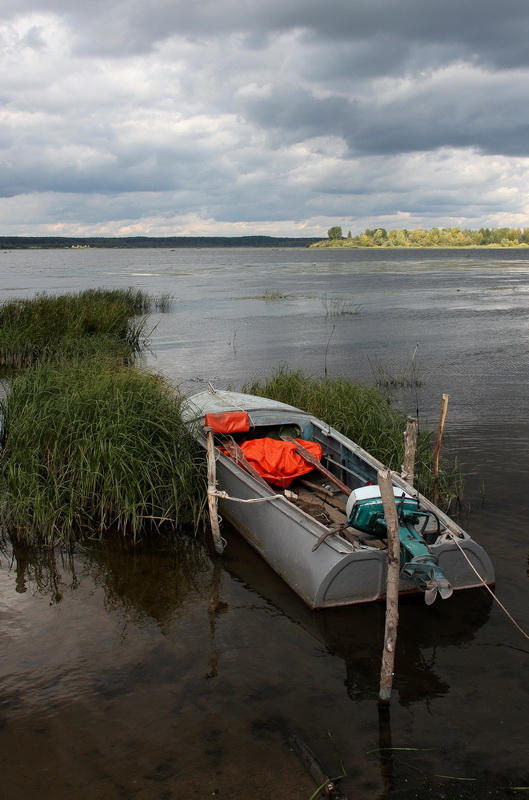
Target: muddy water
165	673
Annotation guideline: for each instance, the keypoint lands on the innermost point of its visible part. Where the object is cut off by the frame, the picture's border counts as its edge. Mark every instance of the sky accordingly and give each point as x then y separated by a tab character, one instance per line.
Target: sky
274	117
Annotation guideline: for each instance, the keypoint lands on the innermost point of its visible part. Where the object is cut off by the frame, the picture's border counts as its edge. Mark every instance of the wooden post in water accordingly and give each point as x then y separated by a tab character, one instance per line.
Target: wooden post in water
410	448
392	587
212	488
437	450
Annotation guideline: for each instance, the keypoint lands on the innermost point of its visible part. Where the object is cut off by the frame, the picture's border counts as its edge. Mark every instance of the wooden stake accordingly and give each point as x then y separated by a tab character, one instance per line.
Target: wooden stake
410	448
392	587
440	429
212	488
437	450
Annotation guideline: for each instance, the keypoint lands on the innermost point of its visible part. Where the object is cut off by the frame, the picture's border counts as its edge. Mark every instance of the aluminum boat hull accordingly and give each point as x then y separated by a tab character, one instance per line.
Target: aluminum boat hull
337	573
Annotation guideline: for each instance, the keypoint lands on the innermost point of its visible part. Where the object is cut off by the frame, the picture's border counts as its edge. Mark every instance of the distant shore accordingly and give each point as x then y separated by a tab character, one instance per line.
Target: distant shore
419	238
325	245
177	242
168	242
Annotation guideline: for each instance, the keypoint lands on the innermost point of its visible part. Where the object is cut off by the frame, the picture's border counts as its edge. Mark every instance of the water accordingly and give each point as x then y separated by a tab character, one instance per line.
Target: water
165	673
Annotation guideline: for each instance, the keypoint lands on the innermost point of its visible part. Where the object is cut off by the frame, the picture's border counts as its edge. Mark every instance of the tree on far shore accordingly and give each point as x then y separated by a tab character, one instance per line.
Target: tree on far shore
436	237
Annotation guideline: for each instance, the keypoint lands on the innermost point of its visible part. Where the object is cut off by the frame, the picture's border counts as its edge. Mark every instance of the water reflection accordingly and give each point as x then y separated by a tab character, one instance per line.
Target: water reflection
101	631
46	570
150	580
355	634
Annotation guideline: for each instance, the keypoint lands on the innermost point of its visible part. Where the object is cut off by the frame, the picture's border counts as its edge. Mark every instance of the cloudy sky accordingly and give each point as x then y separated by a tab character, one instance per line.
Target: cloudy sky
280	117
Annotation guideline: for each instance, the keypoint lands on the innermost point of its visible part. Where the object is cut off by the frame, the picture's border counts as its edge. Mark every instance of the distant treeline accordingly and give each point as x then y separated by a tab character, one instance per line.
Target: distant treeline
436	237
54	242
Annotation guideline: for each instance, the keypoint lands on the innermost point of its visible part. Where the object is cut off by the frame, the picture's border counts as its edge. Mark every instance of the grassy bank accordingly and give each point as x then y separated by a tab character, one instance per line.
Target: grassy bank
63	327
364	414
91	447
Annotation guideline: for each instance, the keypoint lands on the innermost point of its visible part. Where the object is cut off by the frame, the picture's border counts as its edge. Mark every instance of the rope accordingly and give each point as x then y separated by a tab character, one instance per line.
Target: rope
489	590
226	496
223	400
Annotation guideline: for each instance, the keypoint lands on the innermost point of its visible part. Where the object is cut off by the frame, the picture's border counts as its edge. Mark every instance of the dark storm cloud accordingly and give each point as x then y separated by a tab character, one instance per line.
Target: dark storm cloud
491	33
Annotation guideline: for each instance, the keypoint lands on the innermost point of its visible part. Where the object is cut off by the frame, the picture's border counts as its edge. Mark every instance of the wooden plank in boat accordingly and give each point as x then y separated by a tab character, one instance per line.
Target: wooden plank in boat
310	459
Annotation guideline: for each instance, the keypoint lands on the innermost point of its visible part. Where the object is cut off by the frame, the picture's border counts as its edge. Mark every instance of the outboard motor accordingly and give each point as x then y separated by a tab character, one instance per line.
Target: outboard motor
365	511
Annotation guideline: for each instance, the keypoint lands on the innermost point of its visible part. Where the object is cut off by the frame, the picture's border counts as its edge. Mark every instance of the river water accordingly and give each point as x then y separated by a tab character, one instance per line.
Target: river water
165	673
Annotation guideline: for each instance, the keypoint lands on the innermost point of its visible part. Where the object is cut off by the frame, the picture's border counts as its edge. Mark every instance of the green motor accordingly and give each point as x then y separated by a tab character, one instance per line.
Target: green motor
365	512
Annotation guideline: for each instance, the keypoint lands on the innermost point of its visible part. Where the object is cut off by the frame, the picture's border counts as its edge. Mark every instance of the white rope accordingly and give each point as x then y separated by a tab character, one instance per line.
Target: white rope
226	496
489	590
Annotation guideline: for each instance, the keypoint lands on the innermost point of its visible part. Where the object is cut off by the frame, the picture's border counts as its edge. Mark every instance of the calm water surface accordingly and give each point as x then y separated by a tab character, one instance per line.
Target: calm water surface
165	673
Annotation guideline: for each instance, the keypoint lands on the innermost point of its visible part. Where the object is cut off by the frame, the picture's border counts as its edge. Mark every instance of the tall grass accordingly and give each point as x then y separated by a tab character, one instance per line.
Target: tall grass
89	446
52	328
364	414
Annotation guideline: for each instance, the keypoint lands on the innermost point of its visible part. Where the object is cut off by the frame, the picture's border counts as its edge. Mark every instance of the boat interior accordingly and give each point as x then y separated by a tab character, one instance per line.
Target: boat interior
324	486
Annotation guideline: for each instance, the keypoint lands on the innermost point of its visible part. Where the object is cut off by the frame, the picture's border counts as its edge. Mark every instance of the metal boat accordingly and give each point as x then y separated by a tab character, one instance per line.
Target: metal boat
323	530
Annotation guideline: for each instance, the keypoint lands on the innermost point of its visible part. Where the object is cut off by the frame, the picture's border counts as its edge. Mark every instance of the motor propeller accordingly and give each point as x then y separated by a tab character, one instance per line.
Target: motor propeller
433	587
428	577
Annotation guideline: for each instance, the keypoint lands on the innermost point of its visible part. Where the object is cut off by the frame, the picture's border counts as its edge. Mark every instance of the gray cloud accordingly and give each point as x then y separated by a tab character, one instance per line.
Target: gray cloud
268	113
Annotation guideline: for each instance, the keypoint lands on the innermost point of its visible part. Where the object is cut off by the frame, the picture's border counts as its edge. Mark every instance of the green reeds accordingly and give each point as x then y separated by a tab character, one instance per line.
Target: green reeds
90	447
54	328
364	414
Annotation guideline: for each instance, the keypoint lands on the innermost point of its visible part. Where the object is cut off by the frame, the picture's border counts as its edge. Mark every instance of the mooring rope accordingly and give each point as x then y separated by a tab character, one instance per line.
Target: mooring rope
489	590
226	496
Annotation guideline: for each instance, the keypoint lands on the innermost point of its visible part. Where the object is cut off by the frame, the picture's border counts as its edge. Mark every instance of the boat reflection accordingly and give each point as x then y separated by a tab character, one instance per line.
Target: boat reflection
355	633
154	581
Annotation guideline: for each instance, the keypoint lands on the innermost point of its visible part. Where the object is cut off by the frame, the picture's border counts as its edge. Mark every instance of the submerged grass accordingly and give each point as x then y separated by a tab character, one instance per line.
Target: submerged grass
366	415
398	376
90	447
335	306
53	328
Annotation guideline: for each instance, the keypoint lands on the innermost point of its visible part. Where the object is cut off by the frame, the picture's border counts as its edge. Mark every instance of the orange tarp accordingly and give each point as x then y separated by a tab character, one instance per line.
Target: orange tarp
277	461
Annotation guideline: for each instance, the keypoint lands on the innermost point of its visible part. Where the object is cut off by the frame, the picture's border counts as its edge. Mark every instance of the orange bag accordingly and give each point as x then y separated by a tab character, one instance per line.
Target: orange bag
277	461
228	422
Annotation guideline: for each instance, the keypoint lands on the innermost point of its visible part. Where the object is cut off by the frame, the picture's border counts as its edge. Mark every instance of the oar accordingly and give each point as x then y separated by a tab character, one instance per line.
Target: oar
310	459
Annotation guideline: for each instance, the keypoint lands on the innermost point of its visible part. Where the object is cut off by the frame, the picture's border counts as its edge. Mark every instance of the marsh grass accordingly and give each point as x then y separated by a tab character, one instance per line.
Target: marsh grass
90	447
52	328
397	376
270	295
366	415
335	306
